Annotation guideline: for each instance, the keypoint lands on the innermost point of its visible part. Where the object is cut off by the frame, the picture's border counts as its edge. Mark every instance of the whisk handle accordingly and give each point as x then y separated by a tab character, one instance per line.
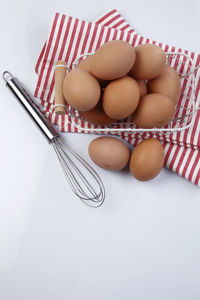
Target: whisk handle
26	101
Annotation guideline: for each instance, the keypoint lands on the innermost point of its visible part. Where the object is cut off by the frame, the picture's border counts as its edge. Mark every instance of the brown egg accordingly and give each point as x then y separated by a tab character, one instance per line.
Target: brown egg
121	97
149	62
112	60
147	159
85	64
81	90
154	110
142	87
97	115
167	83
109	153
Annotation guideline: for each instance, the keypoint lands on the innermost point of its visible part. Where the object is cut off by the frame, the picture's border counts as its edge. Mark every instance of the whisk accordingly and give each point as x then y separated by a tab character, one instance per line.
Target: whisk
91	192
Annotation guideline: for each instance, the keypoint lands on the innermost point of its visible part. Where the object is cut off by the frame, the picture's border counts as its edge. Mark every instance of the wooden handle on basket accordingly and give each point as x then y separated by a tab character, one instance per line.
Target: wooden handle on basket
60	73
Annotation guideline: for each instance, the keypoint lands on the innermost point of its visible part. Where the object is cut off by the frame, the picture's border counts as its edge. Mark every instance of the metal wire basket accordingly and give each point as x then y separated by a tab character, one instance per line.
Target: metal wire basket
185	109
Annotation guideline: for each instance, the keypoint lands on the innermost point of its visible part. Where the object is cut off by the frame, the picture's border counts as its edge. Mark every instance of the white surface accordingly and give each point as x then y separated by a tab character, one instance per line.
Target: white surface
144	242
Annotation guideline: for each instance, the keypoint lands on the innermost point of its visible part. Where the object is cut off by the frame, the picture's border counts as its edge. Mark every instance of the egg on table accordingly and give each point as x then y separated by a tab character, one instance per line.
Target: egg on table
109	153
147	159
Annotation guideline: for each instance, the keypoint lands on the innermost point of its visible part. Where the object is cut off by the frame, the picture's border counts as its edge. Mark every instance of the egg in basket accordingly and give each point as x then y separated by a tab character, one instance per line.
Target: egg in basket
130	89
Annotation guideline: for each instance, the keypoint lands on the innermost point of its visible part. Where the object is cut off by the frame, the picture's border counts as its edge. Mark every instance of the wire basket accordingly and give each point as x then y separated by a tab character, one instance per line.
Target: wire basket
185	109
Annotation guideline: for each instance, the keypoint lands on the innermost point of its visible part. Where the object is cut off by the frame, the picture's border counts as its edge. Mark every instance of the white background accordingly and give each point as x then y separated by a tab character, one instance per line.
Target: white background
144	242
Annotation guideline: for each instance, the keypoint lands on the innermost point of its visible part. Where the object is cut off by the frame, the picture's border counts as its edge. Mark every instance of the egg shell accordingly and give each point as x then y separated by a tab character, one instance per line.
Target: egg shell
147	159
167	83
142	87
81	90
112	60
154	111
97	115
149	62
109	153
85	64
121	97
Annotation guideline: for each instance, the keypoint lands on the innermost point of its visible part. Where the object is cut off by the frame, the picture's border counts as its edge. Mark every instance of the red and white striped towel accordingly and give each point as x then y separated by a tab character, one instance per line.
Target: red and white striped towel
69	37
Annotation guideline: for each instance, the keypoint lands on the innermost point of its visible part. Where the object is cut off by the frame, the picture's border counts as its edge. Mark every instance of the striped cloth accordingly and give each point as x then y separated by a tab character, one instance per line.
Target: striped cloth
70	37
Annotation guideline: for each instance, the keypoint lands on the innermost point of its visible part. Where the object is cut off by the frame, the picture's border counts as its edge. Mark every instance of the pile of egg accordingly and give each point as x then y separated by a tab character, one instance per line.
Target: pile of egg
120	81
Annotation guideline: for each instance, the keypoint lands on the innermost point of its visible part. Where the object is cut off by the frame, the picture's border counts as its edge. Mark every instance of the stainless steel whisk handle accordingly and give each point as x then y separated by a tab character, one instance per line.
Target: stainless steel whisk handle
26	101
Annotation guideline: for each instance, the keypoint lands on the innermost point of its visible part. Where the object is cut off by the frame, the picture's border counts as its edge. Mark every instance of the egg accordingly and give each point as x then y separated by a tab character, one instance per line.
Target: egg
149	62
121	97
97	115
112	60
147	159
154	110
167	83
142	87
109	153
81	90
85	64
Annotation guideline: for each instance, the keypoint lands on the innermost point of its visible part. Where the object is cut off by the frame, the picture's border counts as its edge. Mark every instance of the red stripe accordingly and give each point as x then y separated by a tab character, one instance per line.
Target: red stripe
118	24
128	38
52	57
108	35
125	27
93	38
168	153
134	39
100	37
71	40
193	166
40	58
187	162
86	38
65	38
174	157
181	160
121	35
115	35
47	53
78	40
106	16
112	20
140	40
